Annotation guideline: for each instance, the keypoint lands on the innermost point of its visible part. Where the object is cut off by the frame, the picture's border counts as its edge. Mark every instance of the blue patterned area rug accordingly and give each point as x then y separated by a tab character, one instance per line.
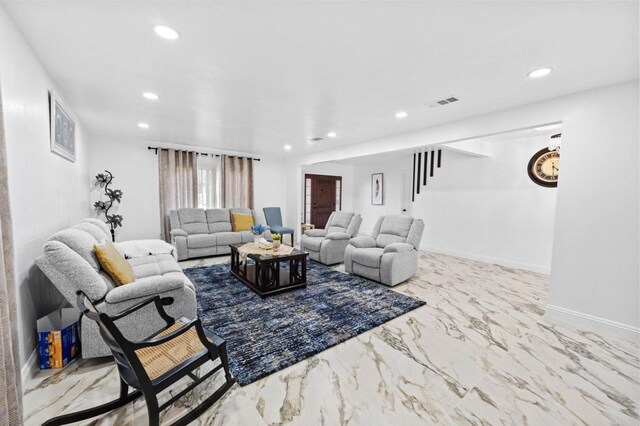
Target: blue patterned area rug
267	335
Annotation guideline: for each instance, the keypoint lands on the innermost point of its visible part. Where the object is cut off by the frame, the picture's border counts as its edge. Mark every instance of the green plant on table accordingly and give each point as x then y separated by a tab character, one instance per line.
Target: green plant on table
276	237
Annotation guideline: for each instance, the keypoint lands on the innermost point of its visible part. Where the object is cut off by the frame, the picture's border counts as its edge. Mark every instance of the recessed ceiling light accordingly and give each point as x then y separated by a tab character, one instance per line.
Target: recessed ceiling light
332	134
287	147
143	125
150	95
401	114
166	32
540	72
549	127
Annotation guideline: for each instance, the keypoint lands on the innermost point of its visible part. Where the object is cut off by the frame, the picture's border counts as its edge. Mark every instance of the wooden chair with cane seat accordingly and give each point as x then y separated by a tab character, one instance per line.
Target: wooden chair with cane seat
154	364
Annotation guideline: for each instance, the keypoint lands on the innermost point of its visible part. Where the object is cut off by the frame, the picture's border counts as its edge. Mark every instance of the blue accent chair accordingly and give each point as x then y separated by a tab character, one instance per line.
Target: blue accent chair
273	216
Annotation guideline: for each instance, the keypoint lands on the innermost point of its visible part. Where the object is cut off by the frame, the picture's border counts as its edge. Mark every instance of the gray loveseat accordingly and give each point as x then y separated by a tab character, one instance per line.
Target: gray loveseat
327	245
390	254
69	261
200	232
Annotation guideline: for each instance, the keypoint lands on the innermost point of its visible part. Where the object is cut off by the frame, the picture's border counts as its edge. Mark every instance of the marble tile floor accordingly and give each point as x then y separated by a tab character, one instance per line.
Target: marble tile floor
479	352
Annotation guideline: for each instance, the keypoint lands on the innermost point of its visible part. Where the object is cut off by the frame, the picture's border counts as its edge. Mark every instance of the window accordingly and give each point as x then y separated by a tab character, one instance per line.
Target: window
307	201
338	195
209	191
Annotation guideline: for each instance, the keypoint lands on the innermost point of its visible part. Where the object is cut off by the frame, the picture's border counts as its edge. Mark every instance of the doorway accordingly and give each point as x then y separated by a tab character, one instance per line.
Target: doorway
322	196
407	192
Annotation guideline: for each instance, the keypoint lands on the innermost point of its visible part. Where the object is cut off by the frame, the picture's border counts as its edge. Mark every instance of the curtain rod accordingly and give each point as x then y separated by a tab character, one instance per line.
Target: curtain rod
156	148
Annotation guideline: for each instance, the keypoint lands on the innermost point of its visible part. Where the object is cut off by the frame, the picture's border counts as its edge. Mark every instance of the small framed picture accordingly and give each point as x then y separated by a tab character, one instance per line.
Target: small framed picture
377	189
63	128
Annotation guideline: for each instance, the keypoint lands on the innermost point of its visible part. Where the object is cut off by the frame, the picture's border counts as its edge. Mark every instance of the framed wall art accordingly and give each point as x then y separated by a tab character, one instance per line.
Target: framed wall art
377	189
63	128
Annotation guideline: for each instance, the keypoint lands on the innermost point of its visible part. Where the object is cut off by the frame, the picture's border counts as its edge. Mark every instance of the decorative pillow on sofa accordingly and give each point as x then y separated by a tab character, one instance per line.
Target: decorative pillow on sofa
241	222
114	263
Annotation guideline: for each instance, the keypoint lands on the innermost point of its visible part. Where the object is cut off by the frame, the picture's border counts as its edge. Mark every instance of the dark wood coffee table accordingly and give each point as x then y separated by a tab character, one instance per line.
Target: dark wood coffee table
265	276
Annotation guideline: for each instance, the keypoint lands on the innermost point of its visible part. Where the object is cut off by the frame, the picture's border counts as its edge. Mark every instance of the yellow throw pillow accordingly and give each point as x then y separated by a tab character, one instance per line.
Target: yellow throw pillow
241	222
114	263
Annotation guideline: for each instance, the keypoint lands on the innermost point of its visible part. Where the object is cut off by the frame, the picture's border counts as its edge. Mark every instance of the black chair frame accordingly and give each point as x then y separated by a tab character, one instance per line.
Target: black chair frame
133	374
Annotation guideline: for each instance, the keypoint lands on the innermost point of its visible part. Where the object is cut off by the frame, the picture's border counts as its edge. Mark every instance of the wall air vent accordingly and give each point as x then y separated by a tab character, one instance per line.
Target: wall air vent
314	139
445	101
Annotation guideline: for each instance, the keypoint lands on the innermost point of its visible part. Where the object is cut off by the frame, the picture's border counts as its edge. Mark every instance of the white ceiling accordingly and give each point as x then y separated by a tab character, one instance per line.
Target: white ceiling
256	76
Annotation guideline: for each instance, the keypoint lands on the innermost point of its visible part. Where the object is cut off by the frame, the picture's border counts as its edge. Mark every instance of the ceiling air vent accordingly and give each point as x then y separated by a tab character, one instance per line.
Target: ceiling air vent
445	101
315	139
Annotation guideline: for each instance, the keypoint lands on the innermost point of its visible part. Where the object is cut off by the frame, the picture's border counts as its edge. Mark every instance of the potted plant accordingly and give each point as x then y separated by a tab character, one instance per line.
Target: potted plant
257	231
277	238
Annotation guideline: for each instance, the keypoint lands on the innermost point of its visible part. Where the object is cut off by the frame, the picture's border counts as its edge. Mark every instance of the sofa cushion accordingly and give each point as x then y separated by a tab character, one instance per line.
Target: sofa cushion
92	230
218	220
341	220
193	221
396	225
80	242
393	229
247	236
114	263
241	222
100	225
159	264
367	272
69	270
226	238
384	240
201	240
368	256
312	243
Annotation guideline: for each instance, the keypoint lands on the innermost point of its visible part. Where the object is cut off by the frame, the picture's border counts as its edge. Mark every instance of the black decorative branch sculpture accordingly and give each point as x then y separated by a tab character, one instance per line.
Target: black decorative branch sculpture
103	180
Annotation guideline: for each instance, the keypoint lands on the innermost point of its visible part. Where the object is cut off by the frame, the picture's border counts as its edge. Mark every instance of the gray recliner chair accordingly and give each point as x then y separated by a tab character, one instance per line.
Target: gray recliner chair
328	245
389	255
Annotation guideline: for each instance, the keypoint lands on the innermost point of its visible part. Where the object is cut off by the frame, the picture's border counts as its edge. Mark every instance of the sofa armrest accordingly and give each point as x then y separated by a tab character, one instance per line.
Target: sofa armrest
398	248
315	232
144	287
363	242
338	236
179	233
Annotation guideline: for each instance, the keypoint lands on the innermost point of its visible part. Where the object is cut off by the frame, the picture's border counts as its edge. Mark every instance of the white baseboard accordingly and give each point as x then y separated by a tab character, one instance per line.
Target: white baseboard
575	318
490	259
30	366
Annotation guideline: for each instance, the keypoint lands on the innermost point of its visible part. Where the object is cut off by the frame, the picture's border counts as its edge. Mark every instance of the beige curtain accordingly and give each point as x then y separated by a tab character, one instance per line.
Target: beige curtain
238	182
10	377
178	184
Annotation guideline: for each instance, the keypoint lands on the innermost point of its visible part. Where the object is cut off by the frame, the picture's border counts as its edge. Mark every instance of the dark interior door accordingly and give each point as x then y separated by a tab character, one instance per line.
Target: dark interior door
323	198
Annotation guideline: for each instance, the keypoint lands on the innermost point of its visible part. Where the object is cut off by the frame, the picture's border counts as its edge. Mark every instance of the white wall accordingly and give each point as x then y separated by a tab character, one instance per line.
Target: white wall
483	208
392	171
47	192
595	264
136	173
595	252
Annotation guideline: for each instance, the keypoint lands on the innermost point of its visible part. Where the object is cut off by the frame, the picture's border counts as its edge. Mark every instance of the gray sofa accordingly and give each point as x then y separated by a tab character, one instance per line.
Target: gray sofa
69	261
328	245
200	232
389	255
